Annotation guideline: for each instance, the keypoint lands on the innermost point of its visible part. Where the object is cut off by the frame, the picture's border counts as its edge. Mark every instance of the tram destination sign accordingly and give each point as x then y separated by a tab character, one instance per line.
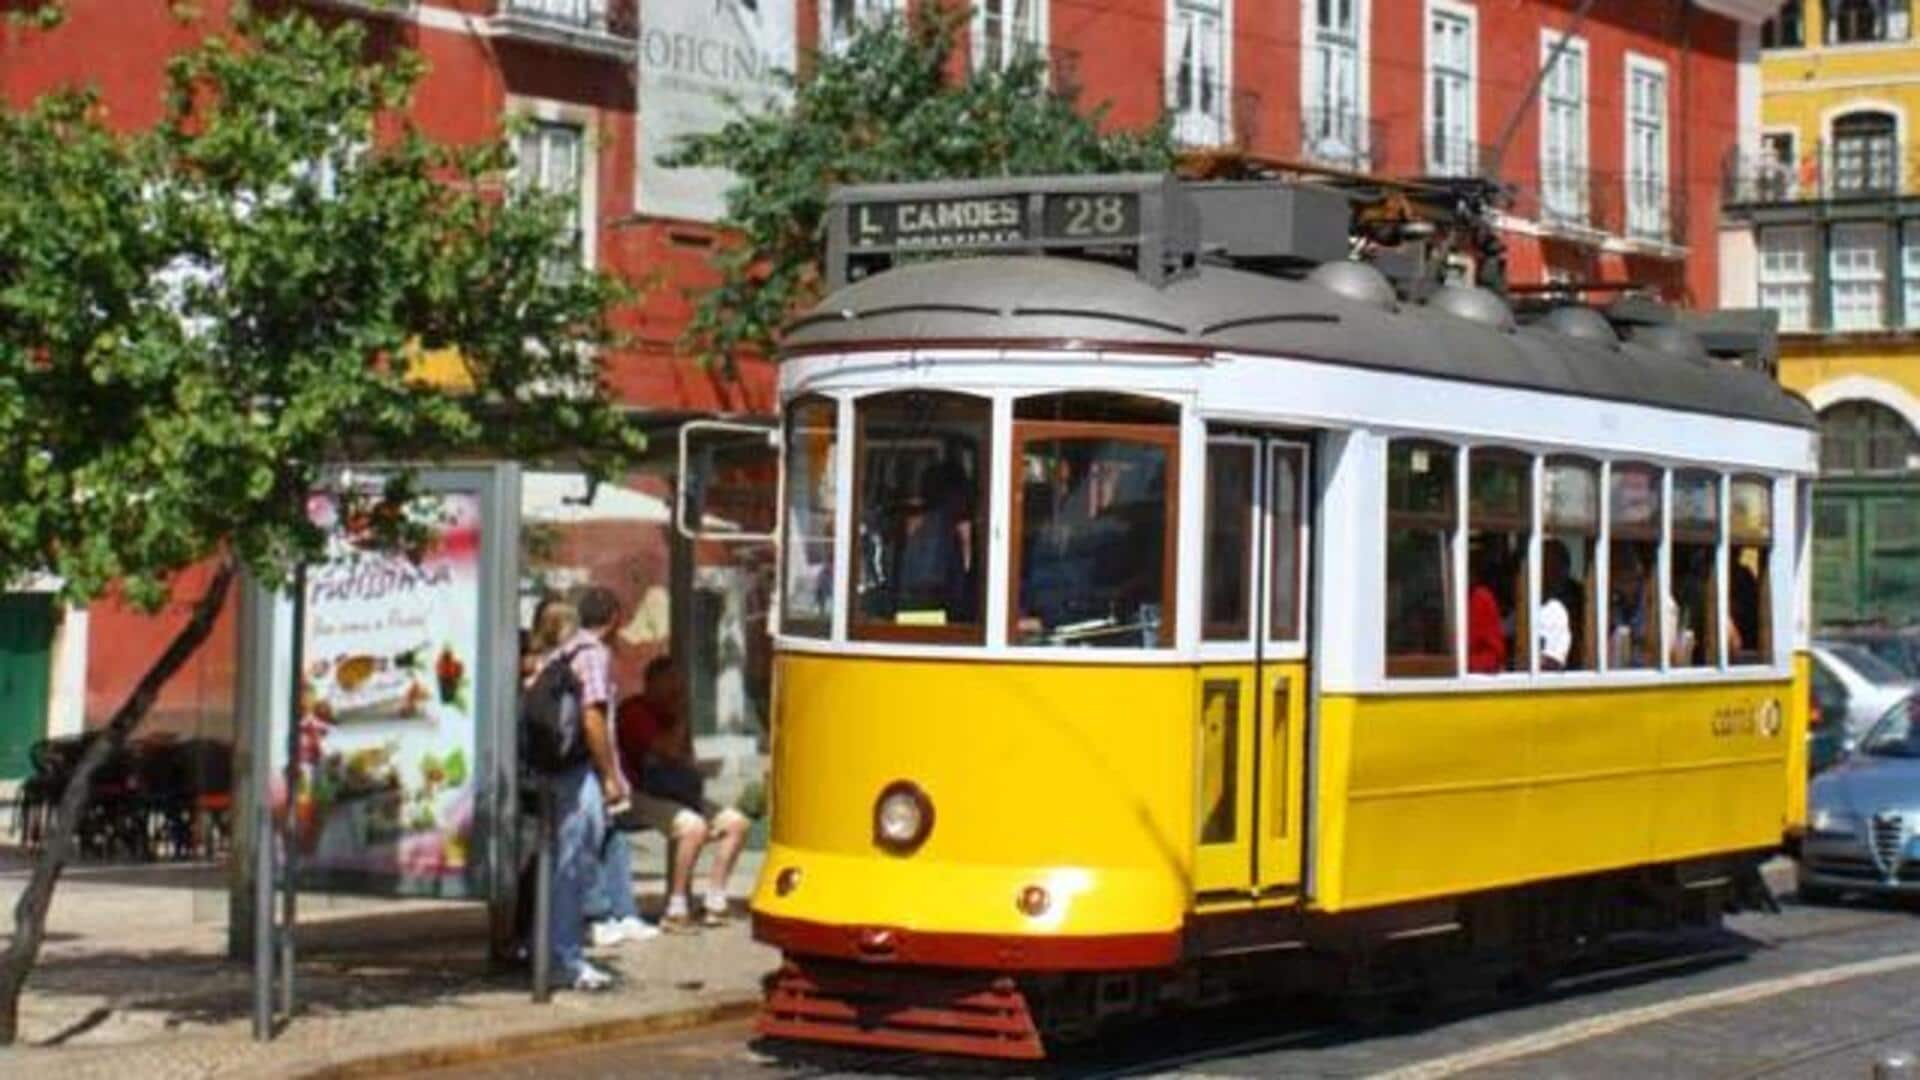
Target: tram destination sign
995	221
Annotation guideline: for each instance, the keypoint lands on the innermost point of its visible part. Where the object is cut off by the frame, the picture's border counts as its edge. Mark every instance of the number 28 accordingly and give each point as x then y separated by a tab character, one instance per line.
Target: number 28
1095	215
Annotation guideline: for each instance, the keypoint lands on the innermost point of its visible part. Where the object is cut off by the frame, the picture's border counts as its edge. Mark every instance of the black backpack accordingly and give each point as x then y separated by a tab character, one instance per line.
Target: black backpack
551	737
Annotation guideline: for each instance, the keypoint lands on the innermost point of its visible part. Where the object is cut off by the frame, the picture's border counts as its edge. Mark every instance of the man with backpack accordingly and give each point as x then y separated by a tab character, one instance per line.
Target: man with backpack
568	746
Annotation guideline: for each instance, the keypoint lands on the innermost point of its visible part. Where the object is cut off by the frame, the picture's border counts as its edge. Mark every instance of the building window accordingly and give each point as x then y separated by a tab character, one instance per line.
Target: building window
1007	30
1563	143
549	159
1196	74
808	571
1865	156
1856	263
1421	522
1785	30
1695	591
1499	542
1451	129
1570	520
1853	22
1750	560
840	20
1786	275
1862	437
1778	175
1910	271
1634	612
1646	149
1333	116
921	461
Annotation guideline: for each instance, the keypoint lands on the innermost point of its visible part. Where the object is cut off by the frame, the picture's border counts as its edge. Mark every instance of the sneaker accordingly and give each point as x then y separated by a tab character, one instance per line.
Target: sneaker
591	980
604	934
712	917
681	923
632	929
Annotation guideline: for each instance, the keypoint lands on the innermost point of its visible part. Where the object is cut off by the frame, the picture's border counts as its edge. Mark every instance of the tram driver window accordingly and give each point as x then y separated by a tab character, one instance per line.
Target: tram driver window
920	469
1093	521
808	570
1635	614
1570	521
1420	527
1499	534
1749	603
1696	570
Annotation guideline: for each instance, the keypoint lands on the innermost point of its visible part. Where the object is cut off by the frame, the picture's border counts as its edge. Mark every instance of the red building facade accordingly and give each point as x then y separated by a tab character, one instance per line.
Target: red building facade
1610	124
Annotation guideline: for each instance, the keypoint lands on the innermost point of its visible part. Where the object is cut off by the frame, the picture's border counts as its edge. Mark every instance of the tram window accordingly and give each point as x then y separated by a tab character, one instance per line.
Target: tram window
1634	614
1499	536
1570	522
808	573
1094	519
1420	528
1696	570
1229	553
921	460
1750	558
1285	487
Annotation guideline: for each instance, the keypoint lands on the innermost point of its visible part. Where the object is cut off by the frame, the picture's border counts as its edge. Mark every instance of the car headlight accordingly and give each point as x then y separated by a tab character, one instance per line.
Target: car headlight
902	818
1828	820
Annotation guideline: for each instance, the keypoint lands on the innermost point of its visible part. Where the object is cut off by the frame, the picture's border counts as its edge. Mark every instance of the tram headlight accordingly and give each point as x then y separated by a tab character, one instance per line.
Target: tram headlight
902	818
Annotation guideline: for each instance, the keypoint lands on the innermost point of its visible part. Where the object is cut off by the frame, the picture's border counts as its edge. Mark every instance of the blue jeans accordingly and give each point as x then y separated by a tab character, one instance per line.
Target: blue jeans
580	820
614	898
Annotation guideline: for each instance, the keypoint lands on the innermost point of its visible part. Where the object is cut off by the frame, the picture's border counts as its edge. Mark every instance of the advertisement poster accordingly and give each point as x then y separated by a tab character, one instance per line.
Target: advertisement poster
700	60
388	739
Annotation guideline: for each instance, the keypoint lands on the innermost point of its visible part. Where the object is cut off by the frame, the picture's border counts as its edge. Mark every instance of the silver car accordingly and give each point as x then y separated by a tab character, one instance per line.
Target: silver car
1863	815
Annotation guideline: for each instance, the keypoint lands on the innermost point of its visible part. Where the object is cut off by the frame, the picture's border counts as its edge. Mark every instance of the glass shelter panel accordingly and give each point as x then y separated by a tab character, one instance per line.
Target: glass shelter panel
921	462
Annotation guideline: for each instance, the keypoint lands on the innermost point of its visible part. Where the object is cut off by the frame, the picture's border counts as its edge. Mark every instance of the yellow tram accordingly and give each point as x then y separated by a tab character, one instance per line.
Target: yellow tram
1171	606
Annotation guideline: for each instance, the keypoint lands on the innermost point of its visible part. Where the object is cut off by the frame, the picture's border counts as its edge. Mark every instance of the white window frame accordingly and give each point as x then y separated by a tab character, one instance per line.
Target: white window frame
1649	169
1910	272
1197	126
1568	196
1449	154
1786	280
1857	270
555	115
1011	42
1831	117
1352	144
864	12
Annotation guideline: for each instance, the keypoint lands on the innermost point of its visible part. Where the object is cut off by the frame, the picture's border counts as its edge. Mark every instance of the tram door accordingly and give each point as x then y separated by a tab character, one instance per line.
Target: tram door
1250	721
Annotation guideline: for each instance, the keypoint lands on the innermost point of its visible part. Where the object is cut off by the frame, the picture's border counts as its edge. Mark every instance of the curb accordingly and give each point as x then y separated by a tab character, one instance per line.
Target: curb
535	1042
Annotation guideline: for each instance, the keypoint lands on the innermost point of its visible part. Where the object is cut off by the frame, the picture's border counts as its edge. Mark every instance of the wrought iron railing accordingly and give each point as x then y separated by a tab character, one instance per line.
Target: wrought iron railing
1342	139
1205	114
1831	169
1446	156
607	18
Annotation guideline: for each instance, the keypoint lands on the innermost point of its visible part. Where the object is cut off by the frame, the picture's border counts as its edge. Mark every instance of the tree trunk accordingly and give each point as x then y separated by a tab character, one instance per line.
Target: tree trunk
30	913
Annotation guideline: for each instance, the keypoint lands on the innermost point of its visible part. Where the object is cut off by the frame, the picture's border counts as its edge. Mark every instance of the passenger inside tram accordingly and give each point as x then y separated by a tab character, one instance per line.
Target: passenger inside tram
1489	615
1563	621
1093	528
917	543
1631	641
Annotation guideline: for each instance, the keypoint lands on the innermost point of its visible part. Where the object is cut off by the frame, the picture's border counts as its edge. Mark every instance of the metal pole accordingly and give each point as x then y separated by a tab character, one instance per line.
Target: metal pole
290	897
262	892
543	895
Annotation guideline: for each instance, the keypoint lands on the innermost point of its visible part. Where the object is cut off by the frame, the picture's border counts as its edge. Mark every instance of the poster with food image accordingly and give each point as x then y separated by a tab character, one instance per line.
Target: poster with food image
387	724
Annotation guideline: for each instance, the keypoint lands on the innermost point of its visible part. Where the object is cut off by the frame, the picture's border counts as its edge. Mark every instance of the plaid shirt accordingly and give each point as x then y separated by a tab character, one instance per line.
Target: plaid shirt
593	666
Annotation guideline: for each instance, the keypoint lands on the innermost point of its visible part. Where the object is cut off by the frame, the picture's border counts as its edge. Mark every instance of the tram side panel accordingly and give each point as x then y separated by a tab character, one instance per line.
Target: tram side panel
1074	778
1437	794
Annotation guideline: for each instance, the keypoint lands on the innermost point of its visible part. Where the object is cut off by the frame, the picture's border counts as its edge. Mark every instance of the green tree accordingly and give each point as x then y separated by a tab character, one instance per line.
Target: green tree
886	108
198	321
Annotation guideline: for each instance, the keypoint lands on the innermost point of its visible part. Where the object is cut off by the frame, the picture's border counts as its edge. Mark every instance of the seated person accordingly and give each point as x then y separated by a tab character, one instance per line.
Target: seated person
1486	628
656	747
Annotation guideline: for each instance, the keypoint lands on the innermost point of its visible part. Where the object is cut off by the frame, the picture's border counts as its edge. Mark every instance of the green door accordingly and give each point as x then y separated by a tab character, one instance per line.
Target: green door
1892	585
1836	558
26	652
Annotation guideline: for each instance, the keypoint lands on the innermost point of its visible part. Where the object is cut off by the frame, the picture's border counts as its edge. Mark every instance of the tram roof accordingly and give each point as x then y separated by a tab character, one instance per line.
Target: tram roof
1027	300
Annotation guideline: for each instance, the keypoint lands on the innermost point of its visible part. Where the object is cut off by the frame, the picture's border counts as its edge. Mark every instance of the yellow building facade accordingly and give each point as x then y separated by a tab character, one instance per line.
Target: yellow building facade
1831	196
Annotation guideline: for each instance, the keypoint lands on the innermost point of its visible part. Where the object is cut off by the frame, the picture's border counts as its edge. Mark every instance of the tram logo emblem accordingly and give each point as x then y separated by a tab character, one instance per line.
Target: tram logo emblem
1756	718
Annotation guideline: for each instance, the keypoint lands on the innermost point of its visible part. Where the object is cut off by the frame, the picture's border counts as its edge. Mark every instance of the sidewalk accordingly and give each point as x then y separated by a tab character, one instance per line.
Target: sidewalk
133	981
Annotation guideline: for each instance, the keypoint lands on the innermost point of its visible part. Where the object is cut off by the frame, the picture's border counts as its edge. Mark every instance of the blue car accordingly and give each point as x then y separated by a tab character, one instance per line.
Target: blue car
1863	813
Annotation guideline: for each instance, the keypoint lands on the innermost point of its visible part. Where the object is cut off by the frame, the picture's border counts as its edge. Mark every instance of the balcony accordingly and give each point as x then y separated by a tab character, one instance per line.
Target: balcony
1826	172
1643	214
1208	115
608	28
1446	157
1342	139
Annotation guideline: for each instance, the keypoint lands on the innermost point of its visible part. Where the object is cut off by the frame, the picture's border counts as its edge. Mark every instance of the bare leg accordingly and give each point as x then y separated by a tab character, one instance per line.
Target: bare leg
732	827
689	836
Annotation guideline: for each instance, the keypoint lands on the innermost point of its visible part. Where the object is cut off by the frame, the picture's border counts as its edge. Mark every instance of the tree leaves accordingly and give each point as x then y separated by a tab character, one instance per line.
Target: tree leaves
885	108
200	321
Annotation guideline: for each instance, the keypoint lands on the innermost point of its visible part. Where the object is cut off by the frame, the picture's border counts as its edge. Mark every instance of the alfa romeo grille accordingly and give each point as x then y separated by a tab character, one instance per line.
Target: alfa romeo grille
1889	837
